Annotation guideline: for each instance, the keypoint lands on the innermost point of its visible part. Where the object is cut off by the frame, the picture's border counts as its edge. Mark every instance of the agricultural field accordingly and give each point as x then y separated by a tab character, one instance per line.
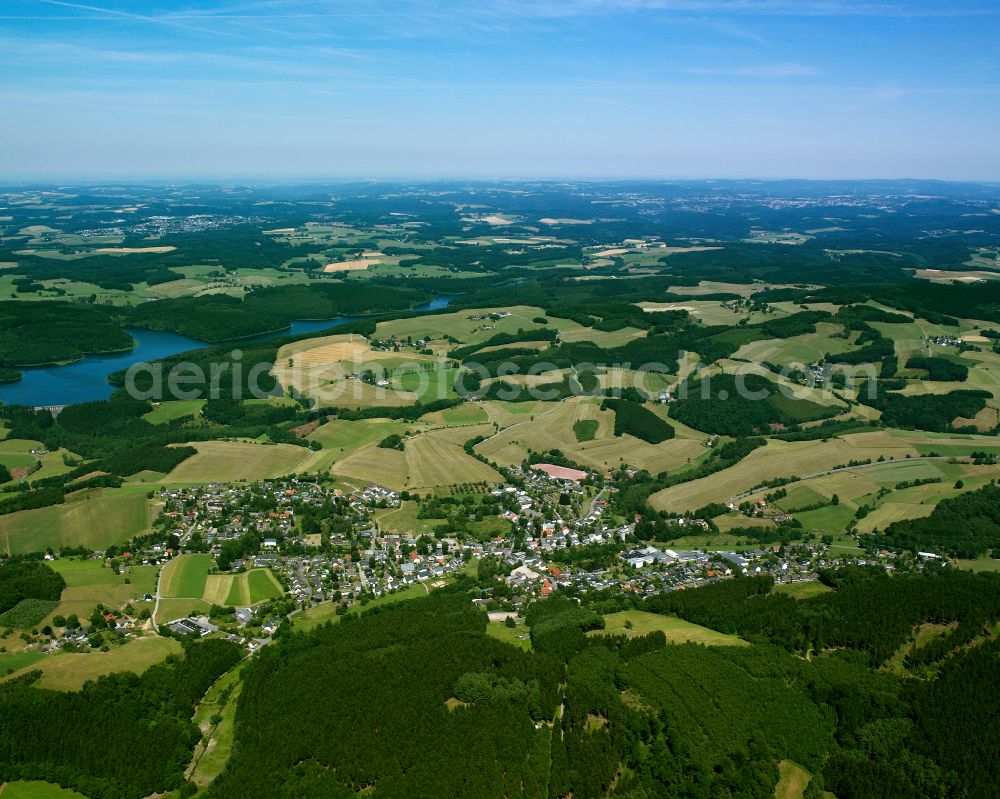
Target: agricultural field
552	427
466	414
805	458
16	454
710	312
322	367
234	461
404	519
242	590
16	661
187	577
90	583
461	326
436	458
640	622
27	613
802	350
343	437
53	464
68	671
93	517
166	412
862	485
430	460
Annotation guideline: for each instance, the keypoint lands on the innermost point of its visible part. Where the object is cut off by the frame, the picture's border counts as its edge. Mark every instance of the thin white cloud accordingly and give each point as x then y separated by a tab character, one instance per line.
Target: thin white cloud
782	70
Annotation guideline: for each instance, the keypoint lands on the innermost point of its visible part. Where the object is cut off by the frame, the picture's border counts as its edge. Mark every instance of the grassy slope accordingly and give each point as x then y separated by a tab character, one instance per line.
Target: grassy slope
69	671
676	630
93	518
230	461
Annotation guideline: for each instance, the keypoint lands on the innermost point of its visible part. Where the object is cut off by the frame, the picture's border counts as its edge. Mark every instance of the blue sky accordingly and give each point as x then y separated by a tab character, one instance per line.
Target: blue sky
514	88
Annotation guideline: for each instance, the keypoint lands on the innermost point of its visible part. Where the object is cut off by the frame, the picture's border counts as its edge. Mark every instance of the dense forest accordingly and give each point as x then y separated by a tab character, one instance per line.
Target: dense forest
48	332
633	419
742	405
965	526
405	667
635	720
27	578
415	699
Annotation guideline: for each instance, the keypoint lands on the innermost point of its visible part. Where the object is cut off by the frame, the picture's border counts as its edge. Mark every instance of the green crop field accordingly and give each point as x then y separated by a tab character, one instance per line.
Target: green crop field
467	413
11	662
15	453
676	630
53	464
831	519
229	461
427	386
185	576
803	590
93	518
262	586
166	412
343	438
177	608
68	671
467	330
93	572
254	587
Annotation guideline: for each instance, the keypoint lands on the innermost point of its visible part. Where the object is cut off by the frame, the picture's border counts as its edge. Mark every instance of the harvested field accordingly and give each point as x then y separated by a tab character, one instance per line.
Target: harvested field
333	353
131	250
230	461
551	427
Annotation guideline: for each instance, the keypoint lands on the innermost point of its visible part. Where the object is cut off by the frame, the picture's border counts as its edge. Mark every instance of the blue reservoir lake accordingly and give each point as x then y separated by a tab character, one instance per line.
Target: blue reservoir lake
87	379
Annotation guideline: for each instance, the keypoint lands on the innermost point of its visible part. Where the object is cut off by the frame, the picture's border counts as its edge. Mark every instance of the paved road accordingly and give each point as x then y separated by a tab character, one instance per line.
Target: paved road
593	504
156	607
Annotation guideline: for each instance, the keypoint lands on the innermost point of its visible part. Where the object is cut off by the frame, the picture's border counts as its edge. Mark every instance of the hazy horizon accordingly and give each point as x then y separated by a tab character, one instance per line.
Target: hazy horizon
580	89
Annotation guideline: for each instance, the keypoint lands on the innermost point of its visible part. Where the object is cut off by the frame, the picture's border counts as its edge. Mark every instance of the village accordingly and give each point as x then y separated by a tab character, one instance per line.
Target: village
326	548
